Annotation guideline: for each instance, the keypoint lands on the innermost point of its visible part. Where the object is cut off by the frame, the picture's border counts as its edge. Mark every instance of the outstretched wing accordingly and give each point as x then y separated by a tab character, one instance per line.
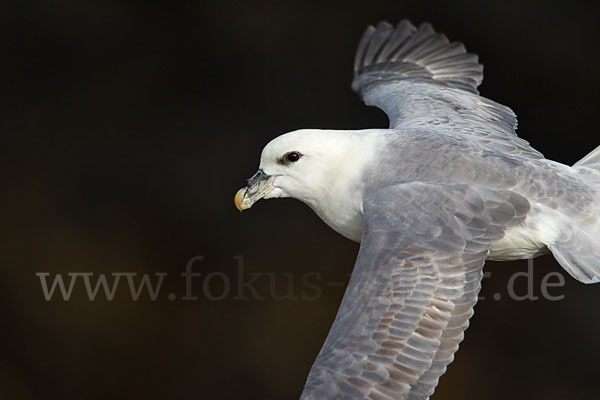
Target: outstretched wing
412	291
419	78
388	54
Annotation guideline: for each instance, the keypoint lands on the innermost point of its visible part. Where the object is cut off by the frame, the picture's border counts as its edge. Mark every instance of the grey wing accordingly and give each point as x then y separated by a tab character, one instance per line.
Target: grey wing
419	78
412	291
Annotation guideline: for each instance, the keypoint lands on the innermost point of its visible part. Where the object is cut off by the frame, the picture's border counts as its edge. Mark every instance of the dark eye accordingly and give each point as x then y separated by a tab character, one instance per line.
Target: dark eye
292	156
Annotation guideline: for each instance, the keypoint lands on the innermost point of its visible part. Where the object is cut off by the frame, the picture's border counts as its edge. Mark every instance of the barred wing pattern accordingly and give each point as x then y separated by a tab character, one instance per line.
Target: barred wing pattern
412	291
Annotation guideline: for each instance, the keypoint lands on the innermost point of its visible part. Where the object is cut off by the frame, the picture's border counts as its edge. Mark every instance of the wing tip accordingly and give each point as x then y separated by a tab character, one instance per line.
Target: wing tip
387	53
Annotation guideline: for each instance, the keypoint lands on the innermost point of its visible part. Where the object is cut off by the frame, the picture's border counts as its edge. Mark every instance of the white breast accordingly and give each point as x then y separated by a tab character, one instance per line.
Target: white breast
346	219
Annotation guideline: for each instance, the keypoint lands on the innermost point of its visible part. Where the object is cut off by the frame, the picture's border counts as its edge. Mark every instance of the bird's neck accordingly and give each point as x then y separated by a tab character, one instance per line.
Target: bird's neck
340	203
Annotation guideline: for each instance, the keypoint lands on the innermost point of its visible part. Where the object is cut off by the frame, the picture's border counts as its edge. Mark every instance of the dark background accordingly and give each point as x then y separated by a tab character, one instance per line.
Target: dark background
126	128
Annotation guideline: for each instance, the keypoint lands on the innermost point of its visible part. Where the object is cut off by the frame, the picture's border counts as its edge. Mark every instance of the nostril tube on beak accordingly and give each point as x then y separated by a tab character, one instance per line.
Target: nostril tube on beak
257	177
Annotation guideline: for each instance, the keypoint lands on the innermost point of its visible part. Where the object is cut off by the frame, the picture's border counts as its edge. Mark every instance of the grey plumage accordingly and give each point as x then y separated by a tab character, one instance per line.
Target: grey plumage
412	291
447	186
407	53
451	180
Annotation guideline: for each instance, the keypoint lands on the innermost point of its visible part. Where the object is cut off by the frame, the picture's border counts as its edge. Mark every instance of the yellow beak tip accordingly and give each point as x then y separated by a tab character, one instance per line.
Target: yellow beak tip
238	200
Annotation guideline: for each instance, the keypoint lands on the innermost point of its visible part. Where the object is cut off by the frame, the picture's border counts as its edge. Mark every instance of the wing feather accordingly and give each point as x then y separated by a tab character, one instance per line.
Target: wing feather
419	78
412	292
418	50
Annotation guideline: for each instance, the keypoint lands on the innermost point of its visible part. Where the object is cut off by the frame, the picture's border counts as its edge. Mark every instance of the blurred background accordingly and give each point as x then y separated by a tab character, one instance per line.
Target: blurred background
126	129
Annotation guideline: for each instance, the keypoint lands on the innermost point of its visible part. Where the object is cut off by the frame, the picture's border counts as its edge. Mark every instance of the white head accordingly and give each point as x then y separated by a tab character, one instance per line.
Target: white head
317	167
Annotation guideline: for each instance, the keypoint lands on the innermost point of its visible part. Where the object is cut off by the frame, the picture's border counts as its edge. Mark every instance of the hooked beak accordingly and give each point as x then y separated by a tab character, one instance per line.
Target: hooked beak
259	185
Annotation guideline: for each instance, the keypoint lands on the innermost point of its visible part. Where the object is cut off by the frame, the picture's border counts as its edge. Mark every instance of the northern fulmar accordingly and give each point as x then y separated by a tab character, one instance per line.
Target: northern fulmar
448	185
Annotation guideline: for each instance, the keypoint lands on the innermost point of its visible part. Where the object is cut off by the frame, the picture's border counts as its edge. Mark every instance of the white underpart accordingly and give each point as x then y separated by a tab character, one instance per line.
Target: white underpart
529	239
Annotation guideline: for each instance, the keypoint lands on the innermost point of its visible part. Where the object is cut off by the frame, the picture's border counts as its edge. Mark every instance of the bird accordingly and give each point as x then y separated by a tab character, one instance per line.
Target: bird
446	187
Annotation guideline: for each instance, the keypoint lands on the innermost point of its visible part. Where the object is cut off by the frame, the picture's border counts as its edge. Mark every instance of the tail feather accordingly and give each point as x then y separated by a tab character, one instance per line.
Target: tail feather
589	167
580	257
578	250
592	160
